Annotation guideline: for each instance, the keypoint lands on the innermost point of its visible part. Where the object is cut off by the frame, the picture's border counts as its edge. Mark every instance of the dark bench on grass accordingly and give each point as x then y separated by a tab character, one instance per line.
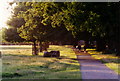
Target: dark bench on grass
52	54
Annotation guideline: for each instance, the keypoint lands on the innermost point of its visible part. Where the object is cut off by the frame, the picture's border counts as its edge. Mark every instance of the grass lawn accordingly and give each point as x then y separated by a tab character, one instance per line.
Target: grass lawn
110	60
18	63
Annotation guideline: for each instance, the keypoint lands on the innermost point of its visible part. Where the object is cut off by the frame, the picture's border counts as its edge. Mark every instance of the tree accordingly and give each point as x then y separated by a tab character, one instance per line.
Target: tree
16	22
95	20
98	19
11	35
32	28
109	18
76	17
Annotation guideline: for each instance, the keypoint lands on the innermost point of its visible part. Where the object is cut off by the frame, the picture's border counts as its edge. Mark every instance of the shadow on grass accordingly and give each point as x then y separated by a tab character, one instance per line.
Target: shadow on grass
14	48
61	57
111	60
75	59
18	55
49	68
11	75
43	80
47	71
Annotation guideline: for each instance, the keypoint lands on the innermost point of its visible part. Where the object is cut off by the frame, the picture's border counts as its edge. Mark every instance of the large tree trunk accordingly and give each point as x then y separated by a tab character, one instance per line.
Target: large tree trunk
118	49
87	45
40	44
114	41
46	45
75	42
34	49
111	45
114	47
118	39
101	44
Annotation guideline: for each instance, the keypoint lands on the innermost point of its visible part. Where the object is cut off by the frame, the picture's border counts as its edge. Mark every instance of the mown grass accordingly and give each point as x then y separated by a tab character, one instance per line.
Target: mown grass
20	64
110	60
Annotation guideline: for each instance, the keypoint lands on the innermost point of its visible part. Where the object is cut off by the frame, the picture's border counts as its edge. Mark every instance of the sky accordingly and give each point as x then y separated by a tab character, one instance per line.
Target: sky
5	12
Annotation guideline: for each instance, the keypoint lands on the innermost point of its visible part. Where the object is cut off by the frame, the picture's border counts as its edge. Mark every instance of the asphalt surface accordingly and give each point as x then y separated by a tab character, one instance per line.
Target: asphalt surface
93	69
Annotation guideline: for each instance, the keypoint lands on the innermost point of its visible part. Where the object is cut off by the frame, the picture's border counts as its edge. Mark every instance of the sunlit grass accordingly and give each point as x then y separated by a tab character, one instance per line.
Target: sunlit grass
113	66
110	60
65	51
20	64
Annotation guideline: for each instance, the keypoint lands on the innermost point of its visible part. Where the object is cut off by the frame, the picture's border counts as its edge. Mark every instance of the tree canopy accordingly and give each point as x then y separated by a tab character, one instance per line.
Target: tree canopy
48	21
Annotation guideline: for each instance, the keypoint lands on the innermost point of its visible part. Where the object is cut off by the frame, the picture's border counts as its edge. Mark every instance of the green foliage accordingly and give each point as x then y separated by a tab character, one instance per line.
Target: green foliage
73	15
30	15
11	35
95	18
98	20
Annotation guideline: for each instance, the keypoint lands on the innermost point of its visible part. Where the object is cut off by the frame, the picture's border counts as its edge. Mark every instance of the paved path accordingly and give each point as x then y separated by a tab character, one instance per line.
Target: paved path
94	69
